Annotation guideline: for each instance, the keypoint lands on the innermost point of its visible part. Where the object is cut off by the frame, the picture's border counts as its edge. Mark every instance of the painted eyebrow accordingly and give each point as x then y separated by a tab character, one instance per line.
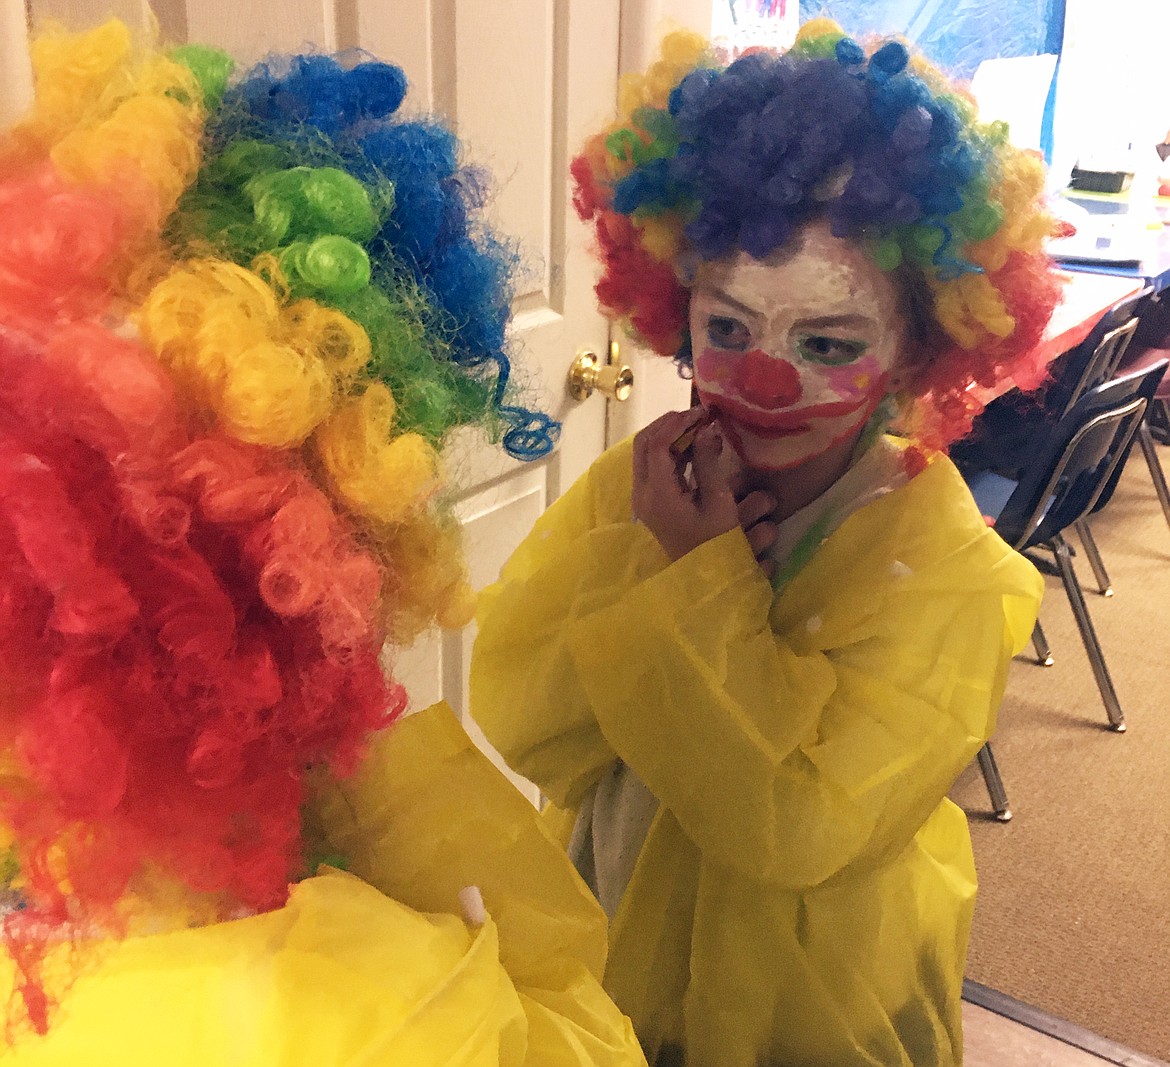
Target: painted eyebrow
727	298
820	322
827	322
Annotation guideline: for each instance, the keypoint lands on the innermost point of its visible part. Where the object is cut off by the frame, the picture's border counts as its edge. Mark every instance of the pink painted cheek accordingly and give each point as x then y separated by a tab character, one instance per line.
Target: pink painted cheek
856	380
715	367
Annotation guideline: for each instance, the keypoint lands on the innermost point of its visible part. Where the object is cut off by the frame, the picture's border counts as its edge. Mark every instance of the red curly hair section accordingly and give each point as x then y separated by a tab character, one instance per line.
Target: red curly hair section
170	667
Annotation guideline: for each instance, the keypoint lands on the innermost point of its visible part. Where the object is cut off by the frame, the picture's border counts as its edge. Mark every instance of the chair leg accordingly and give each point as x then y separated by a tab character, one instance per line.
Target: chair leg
1040	644
1089	543
1158	418
995	789
1080	610
1150	451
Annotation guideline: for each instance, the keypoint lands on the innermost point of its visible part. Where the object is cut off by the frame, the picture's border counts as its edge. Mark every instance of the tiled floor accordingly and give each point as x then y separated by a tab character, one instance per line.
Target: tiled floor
993	1041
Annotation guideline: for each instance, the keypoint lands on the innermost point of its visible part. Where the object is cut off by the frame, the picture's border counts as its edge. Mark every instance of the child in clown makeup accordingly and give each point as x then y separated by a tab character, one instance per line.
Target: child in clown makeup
796	351
747	655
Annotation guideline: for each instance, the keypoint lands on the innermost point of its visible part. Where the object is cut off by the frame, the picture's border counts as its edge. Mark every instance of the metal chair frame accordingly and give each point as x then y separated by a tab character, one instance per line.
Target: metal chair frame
1099	355
1059	503
1103	363
1157	475
1156	418
1004	438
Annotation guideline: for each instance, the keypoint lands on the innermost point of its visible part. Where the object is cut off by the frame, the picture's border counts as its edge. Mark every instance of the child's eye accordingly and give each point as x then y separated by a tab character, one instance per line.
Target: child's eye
831	350
725	332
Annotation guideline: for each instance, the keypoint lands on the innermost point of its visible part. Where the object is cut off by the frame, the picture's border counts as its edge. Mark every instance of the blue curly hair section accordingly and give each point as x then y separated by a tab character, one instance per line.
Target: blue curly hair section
433	230
749	154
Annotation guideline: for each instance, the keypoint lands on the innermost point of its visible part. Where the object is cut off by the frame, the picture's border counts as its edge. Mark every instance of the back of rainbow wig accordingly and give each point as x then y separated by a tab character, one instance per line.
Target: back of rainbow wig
706	159
238	320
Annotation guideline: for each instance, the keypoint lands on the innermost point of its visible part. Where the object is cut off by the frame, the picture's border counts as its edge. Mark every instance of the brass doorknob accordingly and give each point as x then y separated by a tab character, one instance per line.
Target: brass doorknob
587	373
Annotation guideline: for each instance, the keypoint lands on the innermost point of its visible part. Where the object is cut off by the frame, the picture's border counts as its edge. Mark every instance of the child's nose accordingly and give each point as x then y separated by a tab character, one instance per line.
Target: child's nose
766	380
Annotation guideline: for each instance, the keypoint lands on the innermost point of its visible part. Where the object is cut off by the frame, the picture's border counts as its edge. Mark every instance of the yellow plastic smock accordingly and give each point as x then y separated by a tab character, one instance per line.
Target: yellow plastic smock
374	966
804	893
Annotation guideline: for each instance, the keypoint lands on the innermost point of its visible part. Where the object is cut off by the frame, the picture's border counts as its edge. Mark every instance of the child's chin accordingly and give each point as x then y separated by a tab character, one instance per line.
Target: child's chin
785	454
777	453
774	460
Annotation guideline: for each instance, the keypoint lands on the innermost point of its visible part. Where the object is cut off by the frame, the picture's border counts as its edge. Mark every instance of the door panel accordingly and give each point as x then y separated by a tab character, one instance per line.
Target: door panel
658	387
250	30
81	14
15	73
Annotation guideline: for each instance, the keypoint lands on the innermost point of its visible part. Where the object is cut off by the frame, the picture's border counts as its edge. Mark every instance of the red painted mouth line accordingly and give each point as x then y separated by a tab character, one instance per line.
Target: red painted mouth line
773	433
792	420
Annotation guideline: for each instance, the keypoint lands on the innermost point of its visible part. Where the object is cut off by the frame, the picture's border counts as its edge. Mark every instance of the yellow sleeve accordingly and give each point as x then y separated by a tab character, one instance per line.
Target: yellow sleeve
801	740
792	739
427	815
583	555
340	975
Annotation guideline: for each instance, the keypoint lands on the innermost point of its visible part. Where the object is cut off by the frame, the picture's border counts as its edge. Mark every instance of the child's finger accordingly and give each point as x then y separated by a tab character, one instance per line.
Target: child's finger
681	446
657	469
761	537
666	428
641	463
710	477
755	506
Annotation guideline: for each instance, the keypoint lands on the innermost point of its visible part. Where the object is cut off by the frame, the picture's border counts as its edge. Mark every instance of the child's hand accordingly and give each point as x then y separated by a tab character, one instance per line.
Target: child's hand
682	500
687	500
757	517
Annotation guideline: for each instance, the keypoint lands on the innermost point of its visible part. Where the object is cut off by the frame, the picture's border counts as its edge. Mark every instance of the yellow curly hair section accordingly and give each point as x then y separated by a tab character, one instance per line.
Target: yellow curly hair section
382	478
681	52
109	108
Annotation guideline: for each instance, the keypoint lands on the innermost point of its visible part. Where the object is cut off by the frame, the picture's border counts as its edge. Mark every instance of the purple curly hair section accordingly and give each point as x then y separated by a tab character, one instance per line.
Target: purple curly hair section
765	145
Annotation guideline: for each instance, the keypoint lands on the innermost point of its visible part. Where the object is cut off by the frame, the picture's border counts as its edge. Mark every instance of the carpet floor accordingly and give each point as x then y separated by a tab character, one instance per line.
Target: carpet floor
1073	914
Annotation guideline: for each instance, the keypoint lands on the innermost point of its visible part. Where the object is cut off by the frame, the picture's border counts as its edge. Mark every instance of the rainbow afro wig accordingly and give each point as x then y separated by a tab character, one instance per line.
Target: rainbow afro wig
238	319
705	159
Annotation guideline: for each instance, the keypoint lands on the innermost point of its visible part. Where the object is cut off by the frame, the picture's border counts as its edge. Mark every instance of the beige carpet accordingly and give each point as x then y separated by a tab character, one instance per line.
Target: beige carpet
1074	902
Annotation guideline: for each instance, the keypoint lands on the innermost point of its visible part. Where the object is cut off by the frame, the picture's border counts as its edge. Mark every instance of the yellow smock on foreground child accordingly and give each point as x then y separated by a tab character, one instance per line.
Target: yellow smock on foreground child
237	321
749	652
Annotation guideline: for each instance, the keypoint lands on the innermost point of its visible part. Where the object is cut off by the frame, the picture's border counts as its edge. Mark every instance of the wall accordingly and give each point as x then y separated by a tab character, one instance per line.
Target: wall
1113	88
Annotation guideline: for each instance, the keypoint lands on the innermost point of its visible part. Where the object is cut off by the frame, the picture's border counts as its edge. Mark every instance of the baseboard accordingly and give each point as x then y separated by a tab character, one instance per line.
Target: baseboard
1060	1029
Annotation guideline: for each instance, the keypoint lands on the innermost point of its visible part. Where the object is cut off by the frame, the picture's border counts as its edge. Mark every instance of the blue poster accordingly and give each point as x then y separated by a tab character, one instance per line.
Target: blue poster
957	34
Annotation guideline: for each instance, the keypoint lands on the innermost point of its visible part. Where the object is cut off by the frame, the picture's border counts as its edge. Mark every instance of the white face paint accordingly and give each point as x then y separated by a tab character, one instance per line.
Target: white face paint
794	352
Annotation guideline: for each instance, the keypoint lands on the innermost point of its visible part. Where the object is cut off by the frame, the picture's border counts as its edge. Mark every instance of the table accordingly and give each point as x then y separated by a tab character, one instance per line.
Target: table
1087	296
1154	243
1154	270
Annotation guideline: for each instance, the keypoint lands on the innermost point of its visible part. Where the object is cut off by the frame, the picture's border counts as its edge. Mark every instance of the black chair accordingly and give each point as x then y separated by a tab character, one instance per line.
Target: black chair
1157	424
1155	415
1149	344
1004	436
1072	468
1097	358
1112	353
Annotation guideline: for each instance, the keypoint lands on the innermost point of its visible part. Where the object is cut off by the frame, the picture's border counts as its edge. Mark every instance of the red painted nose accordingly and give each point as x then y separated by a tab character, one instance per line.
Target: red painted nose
767	381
